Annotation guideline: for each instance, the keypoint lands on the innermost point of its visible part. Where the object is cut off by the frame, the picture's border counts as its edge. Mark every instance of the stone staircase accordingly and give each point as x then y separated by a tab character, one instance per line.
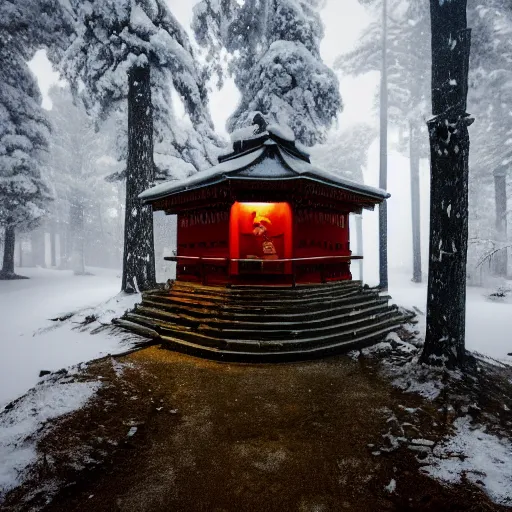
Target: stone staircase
262	324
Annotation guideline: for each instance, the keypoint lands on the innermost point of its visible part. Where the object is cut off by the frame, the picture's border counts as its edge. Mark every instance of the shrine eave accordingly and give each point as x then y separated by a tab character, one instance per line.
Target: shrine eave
267	163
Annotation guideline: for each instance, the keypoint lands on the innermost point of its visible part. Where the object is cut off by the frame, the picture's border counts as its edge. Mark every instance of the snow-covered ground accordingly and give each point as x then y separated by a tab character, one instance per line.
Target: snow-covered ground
30	342
488	322
471	453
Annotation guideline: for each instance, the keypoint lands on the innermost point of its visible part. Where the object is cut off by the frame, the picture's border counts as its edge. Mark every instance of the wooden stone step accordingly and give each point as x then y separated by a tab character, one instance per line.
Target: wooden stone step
265	324
304	333
263	290
294	324
193	316
290	293
268	344
228	354
169	303
255	300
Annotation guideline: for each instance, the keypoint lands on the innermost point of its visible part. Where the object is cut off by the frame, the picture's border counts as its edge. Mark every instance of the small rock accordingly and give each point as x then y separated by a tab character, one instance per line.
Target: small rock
42	373
422	449
391	486
422	442
174	411
132	431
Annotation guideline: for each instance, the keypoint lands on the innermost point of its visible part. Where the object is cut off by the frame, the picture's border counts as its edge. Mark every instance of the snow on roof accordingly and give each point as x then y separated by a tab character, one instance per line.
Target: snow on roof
304	168
201	178
252	165
282	131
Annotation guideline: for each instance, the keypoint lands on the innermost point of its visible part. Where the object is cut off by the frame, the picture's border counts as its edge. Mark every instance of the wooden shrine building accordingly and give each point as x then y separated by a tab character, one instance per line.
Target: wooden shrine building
263	215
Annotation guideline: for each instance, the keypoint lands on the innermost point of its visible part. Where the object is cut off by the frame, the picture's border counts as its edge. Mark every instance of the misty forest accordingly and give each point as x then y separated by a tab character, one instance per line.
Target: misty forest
255	255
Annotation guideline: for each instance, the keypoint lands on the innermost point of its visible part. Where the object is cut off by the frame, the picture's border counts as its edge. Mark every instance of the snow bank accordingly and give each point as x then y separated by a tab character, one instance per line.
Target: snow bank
30	342
483	459
488	322
19	426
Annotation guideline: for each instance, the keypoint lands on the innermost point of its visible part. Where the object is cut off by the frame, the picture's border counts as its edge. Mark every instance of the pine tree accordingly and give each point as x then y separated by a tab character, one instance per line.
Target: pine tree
491	99
274	57
408	84
24	27
129	54
24	132
449	143
77	175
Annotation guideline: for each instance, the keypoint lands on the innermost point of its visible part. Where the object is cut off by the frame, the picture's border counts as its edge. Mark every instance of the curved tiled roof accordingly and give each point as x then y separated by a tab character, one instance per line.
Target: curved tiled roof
265	157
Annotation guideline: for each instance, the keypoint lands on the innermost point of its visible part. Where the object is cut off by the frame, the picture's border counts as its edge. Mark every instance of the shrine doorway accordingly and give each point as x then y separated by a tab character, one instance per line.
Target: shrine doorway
260	238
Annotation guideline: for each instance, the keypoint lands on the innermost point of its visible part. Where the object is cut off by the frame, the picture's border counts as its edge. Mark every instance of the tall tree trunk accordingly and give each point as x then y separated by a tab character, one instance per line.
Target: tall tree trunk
500	191
77	235
20	254
383	174
139	251
9	243
415	201
53	244
64	252
37	243
449	150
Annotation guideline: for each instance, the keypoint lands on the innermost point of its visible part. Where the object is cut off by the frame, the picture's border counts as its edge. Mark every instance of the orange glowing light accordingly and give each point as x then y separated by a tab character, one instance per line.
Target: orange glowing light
260	231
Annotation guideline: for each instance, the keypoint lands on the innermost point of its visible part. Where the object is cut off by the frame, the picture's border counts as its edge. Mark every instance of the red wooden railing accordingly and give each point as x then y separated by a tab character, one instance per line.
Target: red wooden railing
324	262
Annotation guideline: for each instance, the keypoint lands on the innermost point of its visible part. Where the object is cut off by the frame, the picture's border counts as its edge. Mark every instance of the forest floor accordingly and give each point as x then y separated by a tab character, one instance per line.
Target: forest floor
167	431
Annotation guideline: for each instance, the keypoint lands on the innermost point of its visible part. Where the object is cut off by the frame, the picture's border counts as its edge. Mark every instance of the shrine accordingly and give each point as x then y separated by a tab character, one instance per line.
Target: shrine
263	259
263	215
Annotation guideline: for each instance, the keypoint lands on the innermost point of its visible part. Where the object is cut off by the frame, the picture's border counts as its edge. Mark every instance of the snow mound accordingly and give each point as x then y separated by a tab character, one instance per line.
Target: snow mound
282	131
483	459
19	425
245	133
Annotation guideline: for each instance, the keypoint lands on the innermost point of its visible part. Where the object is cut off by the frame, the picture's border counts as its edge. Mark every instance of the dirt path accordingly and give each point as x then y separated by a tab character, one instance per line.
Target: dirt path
224	437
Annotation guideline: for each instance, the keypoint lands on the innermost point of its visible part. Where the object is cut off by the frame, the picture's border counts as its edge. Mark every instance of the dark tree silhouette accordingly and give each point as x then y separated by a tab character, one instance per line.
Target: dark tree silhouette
449	149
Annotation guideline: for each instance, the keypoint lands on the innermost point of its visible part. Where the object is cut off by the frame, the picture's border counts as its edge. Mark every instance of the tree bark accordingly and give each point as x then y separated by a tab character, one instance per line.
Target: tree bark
449	150
76	224
500	191
415	201
139	251
53	244
9	243
383	174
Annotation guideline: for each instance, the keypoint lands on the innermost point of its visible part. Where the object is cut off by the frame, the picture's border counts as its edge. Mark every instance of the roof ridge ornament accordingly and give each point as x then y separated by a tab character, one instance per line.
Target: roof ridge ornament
261	123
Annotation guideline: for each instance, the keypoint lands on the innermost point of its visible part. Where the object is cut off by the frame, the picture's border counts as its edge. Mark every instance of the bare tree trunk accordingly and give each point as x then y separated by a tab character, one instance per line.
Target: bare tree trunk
449	150
19	244
500	191
53	244
9	242
139	251
383	175
7	271
76	225
415	202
